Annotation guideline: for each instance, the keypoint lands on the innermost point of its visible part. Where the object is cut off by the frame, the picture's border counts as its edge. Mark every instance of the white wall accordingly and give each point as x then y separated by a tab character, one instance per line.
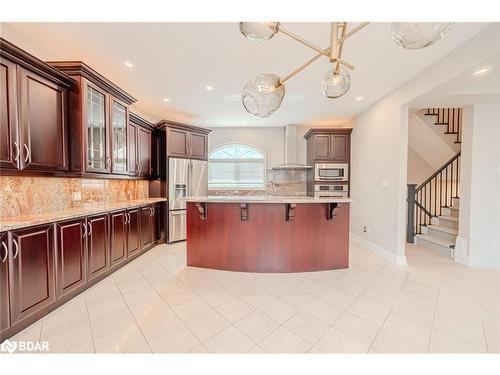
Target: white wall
418	169
379	148
270	140
478	243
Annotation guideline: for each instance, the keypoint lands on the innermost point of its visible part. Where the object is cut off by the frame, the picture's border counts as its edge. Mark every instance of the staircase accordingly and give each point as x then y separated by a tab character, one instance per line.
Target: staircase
433	206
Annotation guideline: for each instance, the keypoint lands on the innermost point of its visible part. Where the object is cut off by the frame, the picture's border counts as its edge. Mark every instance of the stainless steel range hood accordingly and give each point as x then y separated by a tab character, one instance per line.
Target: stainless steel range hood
290	155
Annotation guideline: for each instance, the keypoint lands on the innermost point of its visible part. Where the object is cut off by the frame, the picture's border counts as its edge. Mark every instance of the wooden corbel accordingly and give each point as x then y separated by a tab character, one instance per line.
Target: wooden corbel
332	209
290	211
202	209
244	211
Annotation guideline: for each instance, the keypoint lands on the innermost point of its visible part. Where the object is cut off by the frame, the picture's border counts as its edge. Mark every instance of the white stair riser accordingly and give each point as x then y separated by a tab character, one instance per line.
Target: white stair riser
434	246
447	223
439	234
449	212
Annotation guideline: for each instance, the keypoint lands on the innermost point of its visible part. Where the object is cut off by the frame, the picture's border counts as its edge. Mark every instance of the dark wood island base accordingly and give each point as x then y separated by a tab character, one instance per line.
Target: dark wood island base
268	237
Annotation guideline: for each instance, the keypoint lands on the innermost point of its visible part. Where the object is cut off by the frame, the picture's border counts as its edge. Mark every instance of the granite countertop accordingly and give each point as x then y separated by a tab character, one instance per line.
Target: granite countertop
16	222
264	199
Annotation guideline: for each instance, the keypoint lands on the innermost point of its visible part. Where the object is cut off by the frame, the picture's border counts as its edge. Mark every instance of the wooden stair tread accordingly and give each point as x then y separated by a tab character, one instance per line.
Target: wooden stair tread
443	229
436	240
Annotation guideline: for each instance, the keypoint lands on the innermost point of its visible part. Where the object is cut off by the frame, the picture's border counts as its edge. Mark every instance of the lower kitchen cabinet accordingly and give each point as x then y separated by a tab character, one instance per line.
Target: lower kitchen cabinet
70	238
133	231
146	226
4	283
97	245
155	223
118	237
31	271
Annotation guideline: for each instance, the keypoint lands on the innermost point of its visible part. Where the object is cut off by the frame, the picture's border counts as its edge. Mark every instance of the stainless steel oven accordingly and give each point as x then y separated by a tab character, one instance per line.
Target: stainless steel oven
331	172
332	190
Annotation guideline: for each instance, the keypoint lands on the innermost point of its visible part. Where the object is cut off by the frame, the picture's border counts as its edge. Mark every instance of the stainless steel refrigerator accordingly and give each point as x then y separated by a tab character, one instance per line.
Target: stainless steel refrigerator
185	178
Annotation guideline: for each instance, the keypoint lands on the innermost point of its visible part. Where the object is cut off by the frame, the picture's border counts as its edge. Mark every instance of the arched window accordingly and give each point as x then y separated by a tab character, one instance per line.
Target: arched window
236	167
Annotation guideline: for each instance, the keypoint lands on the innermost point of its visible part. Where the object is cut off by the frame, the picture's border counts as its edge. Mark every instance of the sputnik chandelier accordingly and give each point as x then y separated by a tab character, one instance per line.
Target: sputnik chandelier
263	94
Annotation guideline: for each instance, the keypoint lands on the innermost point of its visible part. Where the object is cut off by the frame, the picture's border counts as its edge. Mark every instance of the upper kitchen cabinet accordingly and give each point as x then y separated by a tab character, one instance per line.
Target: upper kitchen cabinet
185	141
142	148
33	118
99	115
328	144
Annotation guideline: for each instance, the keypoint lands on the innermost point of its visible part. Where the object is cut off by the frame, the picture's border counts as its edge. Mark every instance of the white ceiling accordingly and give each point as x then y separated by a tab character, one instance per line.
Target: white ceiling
177	61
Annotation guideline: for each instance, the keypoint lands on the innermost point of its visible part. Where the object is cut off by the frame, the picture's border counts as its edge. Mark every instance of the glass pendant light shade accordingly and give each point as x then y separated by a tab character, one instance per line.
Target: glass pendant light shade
336	85
414	35
262	95
259	31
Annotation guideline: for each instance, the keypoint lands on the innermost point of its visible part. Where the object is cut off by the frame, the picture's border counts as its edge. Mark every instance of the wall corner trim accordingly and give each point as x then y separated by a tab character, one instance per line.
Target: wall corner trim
399	260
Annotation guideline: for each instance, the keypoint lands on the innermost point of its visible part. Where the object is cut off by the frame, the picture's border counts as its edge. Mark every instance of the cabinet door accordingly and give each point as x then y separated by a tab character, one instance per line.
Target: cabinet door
133	159
146	227
97	245
43	126
119	145
155	223
133	231
198	144
322	146
9	143
70	255
95	122
31	265
144	147
177	143
4	283
118	237
340	147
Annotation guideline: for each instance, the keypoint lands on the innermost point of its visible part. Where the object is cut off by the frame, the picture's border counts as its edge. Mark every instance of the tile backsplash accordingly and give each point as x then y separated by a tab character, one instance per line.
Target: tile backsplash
32	195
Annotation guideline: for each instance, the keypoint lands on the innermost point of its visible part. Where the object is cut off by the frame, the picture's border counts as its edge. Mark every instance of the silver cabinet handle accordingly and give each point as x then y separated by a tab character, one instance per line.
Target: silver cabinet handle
6	252
108	161
17	248
84	230
16	146
90	229
26	158
127	218
152	212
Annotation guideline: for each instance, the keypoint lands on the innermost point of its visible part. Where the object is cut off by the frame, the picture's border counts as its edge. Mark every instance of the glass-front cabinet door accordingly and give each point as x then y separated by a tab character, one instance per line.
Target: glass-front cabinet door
98	159
119	120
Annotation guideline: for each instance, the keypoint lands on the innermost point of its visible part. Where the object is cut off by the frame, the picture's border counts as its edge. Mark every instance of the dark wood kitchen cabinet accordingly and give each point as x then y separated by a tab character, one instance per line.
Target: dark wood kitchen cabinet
4	284
185	141
144	141
133	231
142	148
98	260
33	102
156	222
98	113
328	145
70	241
146	226
118	247
31	271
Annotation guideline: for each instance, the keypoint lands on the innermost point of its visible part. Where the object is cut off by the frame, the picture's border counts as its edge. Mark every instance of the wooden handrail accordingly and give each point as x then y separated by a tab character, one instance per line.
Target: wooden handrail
438	171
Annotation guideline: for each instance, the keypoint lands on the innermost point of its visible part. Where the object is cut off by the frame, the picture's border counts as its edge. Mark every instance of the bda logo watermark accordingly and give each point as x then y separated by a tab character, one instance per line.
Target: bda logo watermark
24	346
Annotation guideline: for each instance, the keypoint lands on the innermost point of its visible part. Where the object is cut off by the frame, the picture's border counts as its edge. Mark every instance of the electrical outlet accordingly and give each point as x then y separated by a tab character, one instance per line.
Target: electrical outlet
366	229
76	196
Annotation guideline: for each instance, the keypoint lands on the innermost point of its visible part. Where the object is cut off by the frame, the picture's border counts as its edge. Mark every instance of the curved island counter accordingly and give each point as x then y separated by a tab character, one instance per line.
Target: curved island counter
268	234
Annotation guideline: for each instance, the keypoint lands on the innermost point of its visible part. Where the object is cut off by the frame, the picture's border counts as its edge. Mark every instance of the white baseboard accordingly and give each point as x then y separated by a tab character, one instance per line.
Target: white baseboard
399	260
460	253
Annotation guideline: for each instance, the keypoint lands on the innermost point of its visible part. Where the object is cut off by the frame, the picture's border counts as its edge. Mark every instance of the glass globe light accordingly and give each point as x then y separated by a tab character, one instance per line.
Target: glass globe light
263	94
414	35
336	85
259	31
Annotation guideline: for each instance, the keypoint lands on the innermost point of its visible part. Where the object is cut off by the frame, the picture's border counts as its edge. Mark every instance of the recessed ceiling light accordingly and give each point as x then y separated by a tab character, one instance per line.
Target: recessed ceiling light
128	64
481	71
166	100
209	88
359	98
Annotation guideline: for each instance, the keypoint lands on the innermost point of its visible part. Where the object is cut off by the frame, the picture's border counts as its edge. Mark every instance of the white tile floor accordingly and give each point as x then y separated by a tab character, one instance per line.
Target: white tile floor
156	304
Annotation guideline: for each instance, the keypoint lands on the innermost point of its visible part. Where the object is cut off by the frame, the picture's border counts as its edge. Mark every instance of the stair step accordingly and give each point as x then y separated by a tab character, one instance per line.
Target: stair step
449	218
443	229
435	240
451	133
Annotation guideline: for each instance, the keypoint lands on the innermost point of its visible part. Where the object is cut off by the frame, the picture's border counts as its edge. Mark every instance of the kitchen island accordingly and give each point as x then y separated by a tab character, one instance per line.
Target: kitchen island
268	233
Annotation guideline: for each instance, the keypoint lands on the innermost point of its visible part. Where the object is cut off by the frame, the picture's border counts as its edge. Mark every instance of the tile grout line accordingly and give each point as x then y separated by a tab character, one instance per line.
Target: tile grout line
433	319
88	318
484	336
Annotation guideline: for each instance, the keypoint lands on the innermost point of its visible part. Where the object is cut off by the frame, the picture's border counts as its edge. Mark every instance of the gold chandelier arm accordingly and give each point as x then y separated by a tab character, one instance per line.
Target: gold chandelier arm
353	31
303	41
346	64
302	67
341	47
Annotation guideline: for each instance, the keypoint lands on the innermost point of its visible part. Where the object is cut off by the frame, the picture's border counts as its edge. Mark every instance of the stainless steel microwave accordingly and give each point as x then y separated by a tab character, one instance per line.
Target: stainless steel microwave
331	172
